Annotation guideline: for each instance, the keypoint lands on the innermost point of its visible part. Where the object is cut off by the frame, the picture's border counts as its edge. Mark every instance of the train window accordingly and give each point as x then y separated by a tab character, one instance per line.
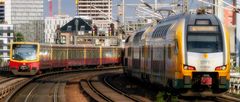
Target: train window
202	22
24	52
204	43
161	31
137	37
169	51
129	51
155	32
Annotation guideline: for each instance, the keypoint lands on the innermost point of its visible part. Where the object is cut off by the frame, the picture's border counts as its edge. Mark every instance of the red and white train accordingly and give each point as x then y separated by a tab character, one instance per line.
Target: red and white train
27	58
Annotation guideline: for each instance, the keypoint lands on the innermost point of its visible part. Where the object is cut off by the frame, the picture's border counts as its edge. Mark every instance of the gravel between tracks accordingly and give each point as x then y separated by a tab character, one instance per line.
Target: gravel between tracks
73	92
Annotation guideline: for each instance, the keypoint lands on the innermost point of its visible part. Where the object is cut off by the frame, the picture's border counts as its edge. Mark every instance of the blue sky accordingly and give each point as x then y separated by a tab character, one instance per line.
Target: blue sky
68	6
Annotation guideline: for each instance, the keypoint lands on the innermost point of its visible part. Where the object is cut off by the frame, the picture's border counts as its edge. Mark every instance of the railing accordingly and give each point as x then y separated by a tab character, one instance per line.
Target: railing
234	83
8	87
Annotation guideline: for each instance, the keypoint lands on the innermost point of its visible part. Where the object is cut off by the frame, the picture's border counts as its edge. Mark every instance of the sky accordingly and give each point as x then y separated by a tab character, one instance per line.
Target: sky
68	6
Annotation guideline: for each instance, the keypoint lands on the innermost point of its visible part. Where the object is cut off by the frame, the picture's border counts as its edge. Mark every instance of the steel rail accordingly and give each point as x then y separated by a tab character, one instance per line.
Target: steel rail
17	89
98	92
120	92
26	99
55	95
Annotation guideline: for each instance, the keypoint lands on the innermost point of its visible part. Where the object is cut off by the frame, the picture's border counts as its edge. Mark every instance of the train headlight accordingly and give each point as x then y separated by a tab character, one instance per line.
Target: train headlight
186	67
220	68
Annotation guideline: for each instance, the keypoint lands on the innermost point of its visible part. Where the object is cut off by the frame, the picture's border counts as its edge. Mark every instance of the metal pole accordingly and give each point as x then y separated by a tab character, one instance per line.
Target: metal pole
123	15
238	36
186	5
156	2
76	3
59	7
109	10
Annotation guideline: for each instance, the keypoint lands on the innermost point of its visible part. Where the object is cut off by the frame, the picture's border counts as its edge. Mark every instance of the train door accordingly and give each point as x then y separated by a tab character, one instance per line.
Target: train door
167	61
149	59
142	52
164	65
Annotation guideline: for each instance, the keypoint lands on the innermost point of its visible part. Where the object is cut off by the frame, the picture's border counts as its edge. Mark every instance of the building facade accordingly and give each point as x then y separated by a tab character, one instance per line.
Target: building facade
77	27
100	11
6	36
2	10
51	24
27	17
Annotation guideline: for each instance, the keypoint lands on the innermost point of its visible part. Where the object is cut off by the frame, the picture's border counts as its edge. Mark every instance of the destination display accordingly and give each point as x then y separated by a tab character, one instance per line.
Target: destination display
203	29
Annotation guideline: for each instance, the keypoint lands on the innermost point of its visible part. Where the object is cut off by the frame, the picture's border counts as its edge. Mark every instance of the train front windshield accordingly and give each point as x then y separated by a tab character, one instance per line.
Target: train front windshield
24	52
204	40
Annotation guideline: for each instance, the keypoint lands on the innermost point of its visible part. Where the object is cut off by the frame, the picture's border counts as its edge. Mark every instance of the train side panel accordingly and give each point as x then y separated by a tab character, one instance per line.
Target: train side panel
45	56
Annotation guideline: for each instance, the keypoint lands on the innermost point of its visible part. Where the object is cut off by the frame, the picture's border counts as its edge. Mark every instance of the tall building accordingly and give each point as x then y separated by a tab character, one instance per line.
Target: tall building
2	10
27	17
51	24
100	11
6	36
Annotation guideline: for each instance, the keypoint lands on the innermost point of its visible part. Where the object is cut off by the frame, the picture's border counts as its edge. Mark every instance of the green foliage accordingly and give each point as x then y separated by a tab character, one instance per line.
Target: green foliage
237	69
18	37
166	97
160	97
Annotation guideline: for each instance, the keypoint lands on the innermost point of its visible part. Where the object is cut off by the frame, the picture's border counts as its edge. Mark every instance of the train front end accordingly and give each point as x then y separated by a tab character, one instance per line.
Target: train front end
24	59
207	56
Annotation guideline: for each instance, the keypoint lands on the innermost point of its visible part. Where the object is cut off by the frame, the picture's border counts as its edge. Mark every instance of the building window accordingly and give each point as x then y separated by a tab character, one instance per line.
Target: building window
69	28
1	54
8	47
1	34
82	28
1	46
63	39
8	34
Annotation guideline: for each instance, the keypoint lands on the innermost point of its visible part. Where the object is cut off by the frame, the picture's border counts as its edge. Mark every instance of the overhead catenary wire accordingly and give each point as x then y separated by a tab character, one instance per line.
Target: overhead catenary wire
230	9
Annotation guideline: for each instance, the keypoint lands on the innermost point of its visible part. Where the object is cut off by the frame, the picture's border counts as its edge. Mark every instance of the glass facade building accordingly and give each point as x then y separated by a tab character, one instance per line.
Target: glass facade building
6	36
51	24
100	11
27	17
2	10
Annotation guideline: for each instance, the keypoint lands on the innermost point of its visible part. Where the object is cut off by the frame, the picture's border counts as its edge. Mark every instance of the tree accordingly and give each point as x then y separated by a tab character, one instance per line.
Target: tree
18	37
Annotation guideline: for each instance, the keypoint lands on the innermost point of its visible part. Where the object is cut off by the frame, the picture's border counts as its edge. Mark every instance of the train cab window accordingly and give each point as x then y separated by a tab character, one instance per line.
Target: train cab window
24	52
204	42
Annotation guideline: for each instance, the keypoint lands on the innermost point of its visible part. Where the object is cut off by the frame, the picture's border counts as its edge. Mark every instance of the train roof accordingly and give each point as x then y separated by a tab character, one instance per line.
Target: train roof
192	18
202	19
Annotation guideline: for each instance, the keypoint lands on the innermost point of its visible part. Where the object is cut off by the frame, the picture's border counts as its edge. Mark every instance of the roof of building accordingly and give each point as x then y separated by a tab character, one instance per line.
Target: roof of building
71	26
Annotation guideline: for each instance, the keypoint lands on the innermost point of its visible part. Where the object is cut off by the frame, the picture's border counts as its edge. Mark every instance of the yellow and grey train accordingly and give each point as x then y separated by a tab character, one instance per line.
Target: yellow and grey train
188	52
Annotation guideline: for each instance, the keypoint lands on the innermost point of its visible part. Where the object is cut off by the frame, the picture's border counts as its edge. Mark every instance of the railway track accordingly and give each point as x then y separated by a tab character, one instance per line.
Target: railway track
49	87
96	88
8	85
219	98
